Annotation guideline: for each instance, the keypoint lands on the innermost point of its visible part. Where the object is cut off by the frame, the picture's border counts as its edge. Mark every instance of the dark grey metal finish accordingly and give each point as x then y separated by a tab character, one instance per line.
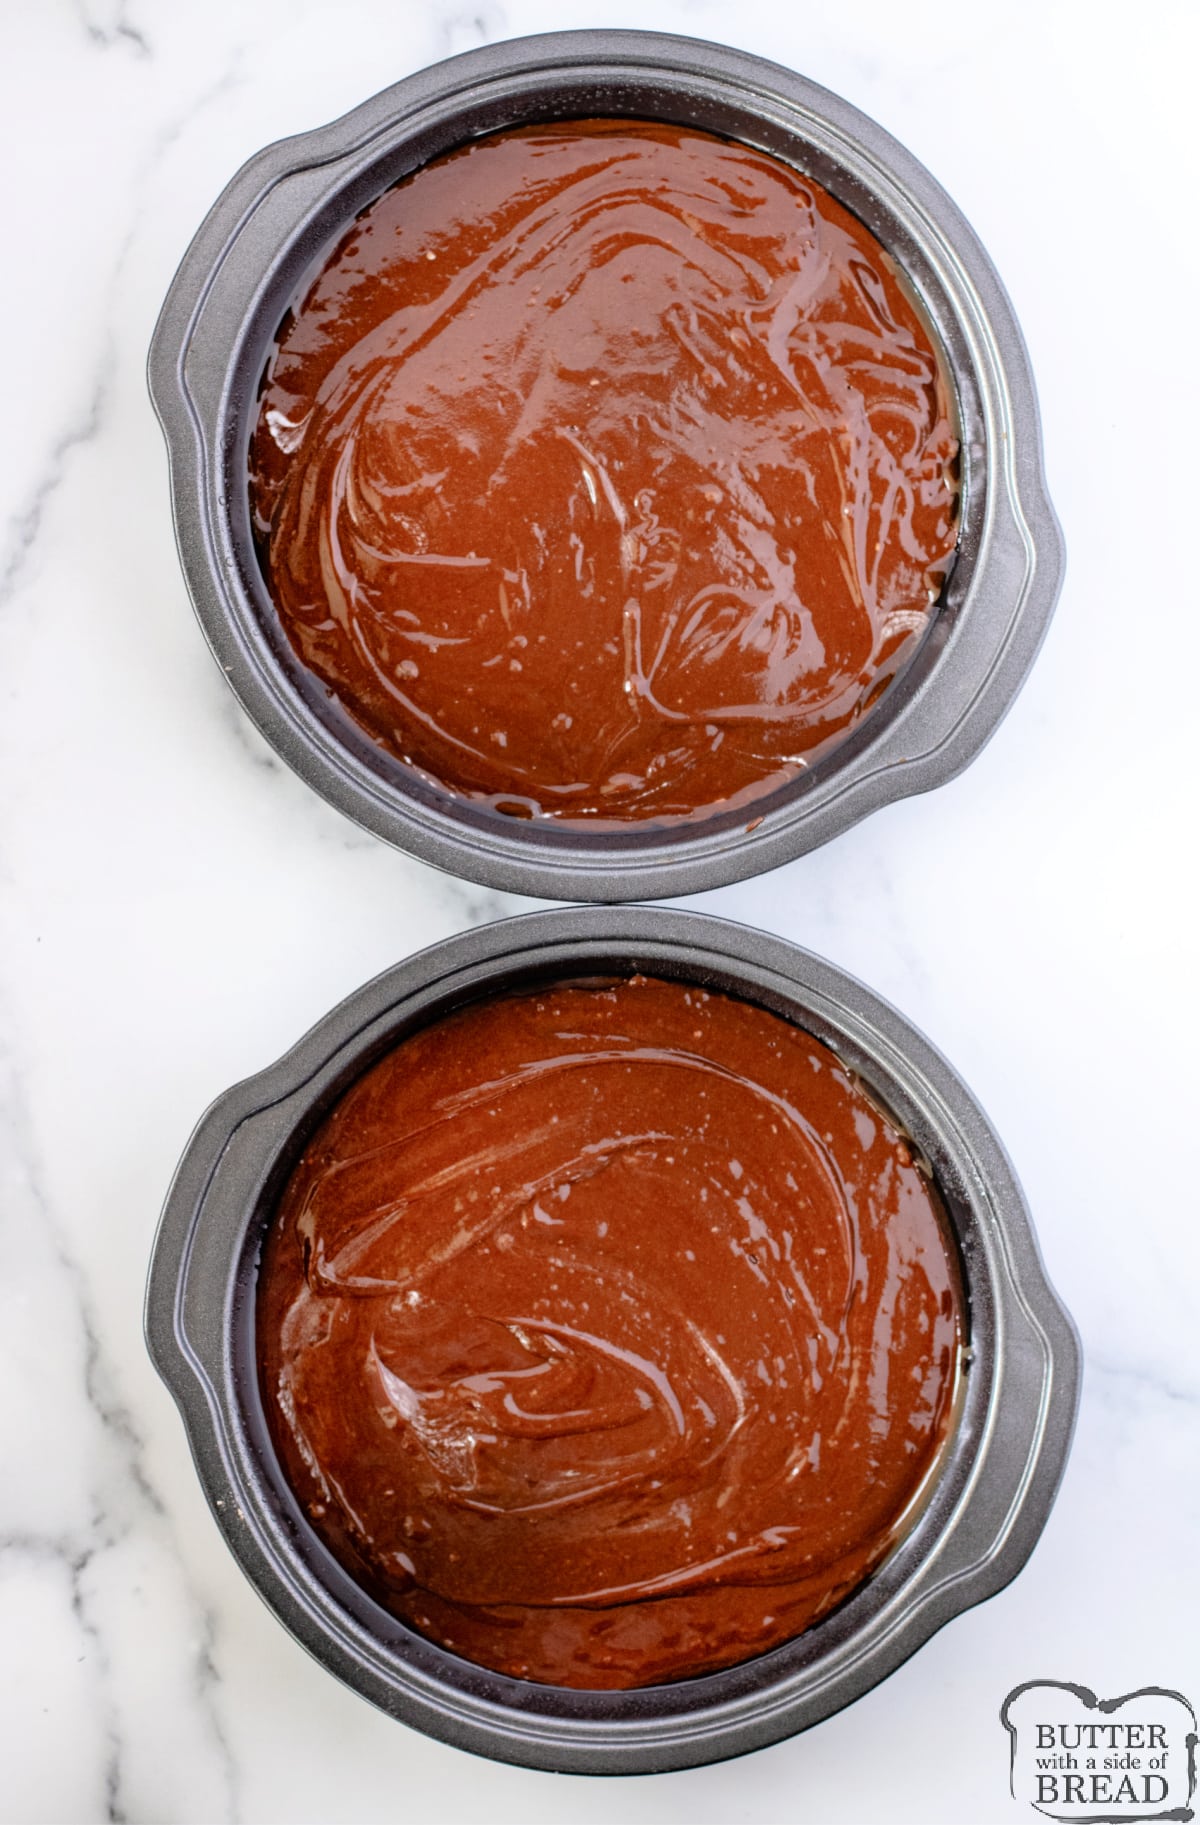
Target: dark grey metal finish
986	1507
277	218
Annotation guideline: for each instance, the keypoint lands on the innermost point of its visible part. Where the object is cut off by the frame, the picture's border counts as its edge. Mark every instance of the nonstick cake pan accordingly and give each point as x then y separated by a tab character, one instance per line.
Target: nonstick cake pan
986	1506
288	206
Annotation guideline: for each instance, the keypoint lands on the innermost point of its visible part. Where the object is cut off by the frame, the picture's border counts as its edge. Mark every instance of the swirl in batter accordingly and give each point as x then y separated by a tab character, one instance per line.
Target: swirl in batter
609	1334
605	473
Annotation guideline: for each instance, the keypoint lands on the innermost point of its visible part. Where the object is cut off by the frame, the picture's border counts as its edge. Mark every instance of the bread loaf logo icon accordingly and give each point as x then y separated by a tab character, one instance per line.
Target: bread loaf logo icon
1101	1761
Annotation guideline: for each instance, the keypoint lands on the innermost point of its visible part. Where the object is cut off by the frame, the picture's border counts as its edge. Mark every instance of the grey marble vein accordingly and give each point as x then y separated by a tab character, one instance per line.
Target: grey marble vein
126	1477
1136	1376
87	423
73	1562
461	28
25	526
117	32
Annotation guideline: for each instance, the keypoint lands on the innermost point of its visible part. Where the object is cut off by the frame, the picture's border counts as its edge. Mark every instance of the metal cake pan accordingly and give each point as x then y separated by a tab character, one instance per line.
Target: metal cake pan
987	1505
288	205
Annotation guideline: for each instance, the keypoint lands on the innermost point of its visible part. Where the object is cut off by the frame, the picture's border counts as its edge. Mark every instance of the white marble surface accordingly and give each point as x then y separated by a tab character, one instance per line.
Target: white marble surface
177	908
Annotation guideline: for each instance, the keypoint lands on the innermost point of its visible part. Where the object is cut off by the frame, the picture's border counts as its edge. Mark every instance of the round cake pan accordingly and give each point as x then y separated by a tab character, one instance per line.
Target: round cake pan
288	205
986	1507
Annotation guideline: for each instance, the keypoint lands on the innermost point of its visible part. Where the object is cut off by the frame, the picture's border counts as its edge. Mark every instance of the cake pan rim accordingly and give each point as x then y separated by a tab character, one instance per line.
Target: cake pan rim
933	737
194	1374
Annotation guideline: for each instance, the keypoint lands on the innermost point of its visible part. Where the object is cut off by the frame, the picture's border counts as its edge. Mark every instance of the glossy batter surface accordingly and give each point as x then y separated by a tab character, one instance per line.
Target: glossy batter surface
605	472
607	1333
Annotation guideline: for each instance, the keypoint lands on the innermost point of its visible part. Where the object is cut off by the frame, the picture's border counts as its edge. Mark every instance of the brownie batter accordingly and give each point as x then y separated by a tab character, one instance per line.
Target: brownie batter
609	1334
605	473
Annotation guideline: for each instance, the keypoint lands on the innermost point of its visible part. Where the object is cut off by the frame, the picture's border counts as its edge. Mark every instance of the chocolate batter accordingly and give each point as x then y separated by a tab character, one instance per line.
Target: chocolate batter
608	1334
605	472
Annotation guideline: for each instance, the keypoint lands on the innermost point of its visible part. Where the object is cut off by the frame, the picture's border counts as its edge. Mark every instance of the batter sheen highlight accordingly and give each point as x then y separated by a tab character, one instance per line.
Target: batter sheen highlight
605	472
608	1333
